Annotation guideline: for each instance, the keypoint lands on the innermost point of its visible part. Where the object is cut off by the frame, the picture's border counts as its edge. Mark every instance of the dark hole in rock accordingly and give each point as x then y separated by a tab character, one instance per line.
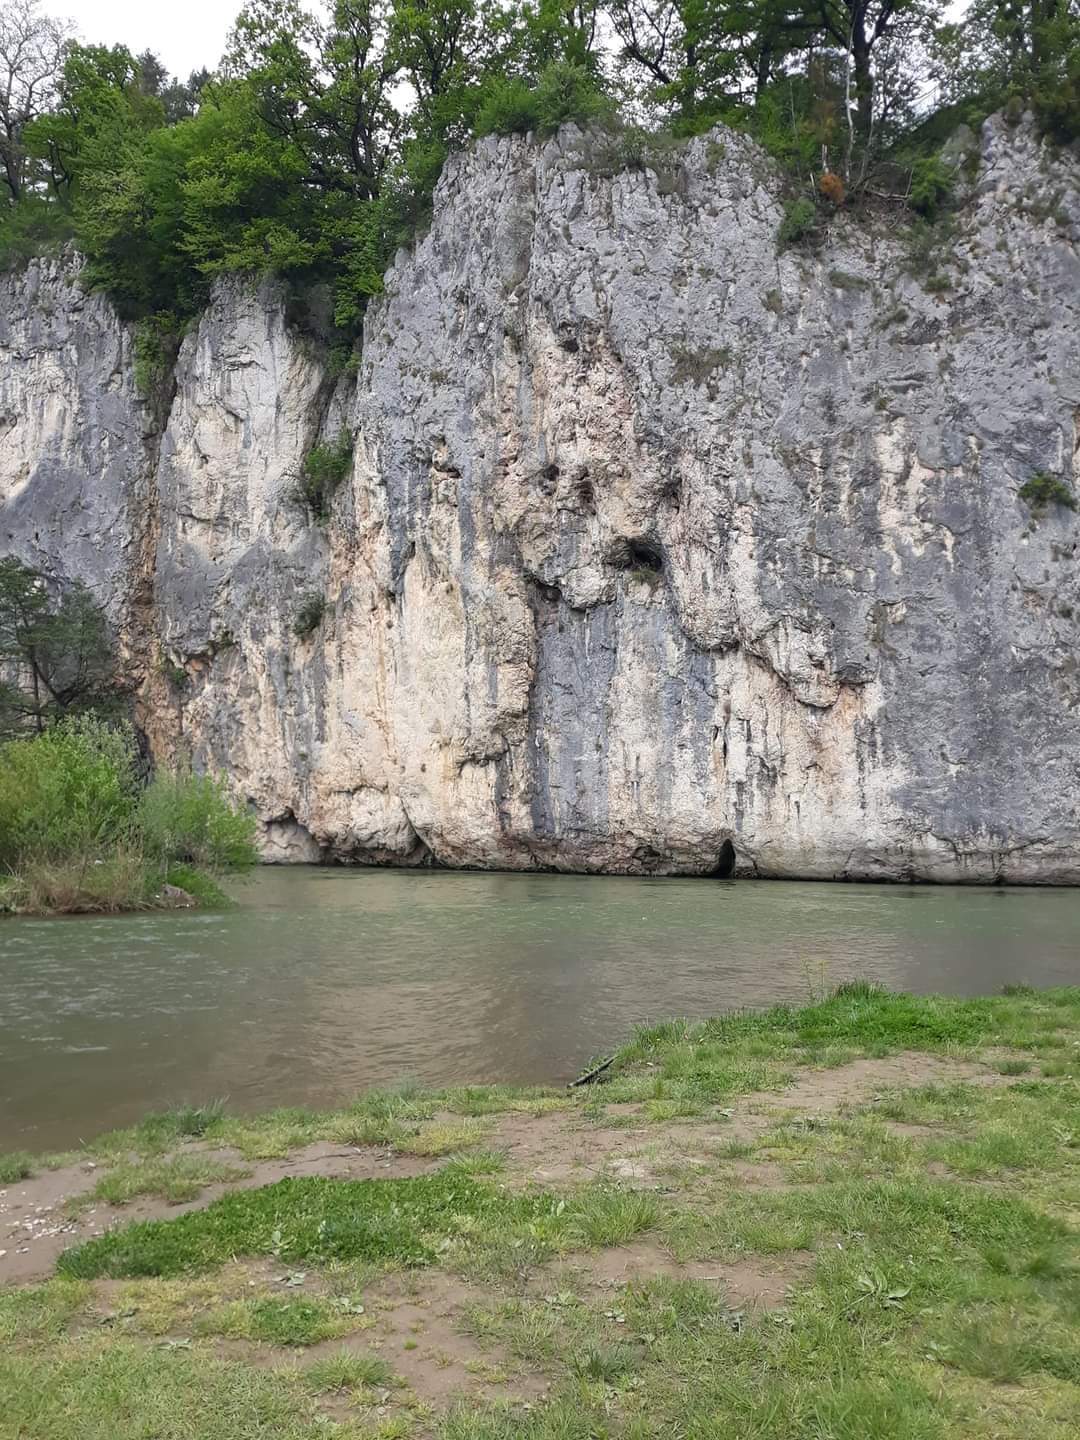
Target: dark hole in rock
672	492
725	862
569	344
644	555
586	494
551	472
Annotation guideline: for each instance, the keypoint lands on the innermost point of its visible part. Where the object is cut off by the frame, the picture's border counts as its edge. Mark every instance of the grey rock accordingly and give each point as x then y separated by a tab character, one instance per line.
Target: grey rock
656	542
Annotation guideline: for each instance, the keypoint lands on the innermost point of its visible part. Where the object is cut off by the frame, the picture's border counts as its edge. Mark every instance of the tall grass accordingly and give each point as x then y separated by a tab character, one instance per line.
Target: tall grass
78	833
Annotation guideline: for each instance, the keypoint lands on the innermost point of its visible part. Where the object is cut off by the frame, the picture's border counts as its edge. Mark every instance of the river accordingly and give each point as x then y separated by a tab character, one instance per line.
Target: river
325	981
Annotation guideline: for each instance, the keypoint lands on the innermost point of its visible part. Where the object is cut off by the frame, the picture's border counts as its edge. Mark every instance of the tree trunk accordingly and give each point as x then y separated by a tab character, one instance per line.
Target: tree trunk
864	82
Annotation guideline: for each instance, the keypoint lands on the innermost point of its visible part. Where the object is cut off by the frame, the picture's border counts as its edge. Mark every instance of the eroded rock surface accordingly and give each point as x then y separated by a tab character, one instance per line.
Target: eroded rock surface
660	551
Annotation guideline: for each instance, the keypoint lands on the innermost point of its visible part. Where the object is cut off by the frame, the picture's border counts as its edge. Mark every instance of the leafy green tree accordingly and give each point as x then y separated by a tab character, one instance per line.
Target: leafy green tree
1002	48
324	89
31	58
879	39
702	59
99	121
55	654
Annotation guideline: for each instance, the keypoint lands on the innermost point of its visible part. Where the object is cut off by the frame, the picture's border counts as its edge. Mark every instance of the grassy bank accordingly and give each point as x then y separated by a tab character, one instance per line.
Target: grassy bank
80	833
854	1220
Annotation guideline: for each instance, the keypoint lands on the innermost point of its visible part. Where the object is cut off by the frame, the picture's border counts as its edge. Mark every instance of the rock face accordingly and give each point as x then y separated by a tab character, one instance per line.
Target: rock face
659	551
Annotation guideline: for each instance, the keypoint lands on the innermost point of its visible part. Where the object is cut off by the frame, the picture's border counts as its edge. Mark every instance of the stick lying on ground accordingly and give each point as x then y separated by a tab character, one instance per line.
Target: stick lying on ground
592	1075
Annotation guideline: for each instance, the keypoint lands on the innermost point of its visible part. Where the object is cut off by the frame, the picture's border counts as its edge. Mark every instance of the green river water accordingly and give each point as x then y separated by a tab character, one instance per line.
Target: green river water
325	981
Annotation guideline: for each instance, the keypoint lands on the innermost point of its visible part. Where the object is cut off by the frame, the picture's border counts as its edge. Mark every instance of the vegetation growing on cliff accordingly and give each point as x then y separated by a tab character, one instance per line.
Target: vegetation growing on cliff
313	148
324	468
854	1220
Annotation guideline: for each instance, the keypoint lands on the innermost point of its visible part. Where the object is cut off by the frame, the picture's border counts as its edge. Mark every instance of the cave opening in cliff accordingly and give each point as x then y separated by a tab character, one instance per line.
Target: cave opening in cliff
724	868
644	555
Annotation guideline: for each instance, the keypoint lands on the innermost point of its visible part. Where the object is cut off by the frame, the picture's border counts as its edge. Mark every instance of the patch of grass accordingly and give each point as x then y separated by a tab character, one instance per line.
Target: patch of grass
349	1370
607	1363
477	1162
445	1137
276	1320
15	1165
176	1179
40	1312
607	1215
503	1099
719	1058
1013	1067
310	1218
364	1130
273	1135
1009	1350
103	1387
564	1418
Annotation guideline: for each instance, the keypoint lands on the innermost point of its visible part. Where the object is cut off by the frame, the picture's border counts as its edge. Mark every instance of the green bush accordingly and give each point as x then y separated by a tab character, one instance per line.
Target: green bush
189	818
931	185
1044	489
323	470
155	347
77	835
510	109
564	92
30	228
799	223
68	792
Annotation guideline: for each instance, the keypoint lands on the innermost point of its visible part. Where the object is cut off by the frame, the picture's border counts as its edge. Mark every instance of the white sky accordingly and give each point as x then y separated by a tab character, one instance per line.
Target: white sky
186	34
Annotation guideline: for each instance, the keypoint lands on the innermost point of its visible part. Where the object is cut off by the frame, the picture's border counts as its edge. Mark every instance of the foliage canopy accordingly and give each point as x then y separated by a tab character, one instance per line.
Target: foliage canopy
312	149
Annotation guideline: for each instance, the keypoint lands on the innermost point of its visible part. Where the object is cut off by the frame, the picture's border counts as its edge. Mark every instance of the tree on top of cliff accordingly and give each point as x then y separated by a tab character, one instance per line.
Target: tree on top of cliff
31	56
313	152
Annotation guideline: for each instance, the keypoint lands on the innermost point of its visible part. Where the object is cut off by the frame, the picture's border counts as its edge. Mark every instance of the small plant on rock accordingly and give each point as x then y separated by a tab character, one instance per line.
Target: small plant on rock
1043	490
931	185
323	470
798	225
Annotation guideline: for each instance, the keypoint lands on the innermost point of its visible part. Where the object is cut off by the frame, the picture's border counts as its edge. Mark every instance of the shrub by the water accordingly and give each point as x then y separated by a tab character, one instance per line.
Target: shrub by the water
69	792
77	834
189	819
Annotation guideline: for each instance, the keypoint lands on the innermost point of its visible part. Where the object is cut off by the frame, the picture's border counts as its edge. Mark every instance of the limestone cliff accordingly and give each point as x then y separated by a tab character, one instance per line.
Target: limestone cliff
660	551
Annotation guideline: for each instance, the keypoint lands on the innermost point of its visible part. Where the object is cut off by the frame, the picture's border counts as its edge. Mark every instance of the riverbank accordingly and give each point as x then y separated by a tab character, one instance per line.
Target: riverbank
857	1219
